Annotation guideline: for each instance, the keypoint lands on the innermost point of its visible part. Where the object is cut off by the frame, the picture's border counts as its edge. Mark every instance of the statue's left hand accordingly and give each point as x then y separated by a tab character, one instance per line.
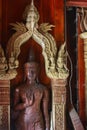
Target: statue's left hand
31	100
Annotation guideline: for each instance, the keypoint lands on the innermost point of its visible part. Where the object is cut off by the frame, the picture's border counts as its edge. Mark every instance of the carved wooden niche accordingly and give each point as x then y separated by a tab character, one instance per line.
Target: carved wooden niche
55	61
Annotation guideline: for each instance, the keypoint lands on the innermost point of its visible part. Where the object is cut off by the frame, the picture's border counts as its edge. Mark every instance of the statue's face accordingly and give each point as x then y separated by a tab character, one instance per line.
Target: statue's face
32	17
3	59
31	73
31	20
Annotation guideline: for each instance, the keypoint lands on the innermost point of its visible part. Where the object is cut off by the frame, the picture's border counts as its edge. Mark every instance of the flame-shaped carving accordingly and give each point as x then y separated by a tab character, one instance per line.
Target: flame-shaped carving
83	18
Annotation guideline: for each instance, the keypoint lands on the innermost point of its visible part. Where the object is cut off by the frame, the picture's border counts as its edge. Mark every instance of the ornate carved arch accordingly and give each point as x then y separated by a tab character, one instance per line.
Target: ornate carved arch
55	62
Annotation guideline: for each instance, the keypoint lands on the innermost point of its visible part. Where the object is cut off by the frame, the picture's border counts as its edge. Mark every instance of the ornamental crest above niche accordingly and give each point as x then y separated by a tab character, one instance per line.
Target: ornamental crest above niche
55	61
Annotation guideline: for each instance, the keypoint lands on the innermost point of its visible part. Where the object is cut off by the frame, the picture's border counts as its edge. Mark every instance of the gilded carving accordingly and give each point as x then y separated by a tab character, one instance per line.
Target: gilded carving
58	106
3	62
4	117
59	117
55	64
5	68
82	12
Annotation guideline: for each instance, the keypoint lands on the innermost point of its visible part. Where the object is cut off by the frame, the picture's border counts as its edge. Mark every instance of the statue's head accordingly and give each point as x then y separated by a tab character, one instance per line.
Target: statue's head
31	15
31	68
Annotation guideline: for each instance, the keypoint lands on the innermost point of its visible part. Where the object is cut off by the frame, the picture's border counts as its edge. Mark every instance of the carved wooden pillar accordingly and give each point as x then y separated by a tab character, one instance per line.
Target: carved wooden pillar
83	26
84	37
4	105
59	103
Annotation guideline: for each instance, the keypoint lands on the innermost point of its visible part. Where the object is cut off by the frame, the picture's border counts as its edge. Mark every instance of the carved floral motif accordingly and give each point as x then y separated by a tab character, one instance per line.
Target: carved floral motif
59	117
4	117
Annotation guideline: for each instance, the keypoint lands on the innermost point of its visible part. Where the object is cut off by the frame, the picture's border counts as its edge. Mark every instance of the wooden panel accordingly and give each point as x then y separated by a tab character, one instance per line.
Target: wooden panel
78	3
4	92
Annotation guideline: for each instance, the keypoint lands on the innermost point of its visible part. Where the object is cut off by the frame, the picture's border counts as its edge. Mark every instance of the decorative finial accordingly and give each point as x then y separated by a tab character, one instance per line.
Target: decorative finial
32	2
31	10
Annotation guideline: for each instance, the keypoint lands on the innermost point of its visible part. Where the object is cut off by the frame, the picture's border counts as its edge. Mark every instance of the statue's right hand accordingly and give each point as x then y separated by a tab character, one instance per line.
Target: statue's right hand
26	103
